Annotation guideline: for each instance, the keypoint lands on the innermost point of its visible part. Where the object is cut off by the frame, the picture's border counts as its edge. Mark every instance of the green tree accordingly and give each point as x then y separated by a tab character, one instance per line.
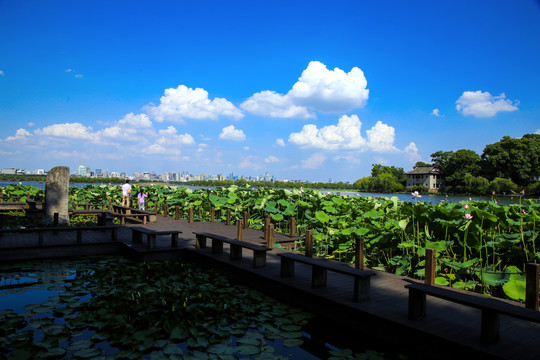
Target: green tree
397	172
386	182
516	159
461	165
421	164
364	184
439	160
501	186
465	161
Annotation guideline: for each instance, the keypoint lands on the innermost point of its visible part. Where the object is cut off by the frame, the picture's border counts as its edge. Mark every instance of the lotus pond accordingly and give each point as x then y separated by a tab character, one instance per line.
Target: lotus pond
109	307
482	246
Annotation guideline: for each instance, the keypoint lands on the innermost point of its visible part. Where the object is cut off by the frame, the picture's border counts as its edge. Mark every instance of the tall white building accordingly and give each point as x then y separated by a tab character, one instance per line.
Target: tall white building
81	170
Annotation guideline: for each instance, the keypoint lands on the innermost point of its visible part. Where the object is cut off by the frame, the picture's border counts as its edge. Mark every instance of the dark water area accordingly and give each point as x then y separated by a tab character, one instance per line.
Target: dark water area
37	296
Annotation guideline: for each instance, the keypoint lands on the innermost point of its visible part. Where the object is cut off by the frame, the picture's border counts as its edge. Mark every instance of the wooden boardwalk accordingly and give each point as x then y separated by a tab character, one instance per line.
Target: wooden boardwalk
449	329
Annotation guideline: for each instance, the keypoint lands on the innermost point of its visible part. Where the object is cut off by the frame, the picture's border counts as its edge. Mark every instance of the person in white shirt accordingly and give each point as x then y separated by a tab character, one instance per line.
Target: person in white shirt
126	193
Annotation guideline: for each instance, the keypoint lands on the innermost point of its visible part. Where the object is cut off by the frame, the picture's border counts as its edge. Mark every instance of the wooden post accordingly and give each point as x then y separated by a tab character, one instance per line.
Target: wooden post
431	266
212	214
270	237
190	219
240	230
309	243
267	220
110	204
155	207
532	272
228	217
293	227
87	207
146	204
246	217
176	212
359	254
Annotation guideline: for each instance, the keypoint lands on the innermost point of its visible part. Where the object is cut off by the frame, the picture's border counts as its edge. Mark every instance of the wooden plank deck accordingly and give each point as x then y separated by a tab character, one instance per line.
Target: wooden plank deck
451	328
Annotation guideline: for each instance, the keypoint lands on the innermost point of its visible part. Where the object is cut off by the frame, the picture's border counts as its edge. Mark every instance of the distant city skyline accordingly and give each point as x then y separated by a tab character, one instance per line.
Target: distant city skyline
301	91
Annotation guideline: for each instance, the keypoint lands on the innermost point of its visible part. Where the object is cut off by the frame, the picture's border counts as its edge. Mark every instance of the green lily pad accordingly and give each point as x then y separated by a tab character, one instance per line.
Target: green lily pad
247	350
54	329
292	342
172	349
220	349
52	353
80	345
179	333
37	323
87	353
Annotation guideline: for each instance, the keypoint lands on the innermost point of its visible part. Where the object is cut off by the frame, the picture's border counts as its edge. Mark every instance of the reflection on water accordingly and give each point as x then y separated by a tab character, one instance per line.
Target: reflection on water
42	305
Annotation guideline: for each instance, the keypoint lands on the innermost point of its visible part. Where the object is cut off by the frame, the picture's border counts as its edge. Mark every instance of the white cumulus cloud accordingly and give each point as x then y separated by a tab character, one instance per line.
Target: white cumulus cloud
381	137
317	89
483	104
280	142
330	90
436	112
271	159
68	131
230	133
314	161
187	103
345	135
130	128
270	103
170	136
20	134
411	152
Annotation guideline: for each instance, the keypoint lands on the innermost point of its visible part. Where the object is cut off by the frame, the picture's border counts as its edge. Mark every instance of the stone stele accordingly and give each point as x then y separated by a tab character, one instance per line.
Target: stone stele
57	195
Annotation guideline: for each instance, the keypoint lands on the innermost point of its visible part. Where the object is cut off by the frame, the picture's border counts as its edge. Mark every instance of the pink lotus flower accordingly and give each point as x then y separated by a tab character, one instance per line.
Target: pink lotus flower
467	216
466	206
416	194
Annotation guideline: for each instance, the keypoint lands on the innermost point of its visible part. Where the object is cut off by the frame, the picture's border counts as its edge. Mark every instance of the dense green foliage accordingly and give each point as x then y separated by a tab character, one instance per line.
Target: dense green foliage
509	165
505	166
481	245
388	179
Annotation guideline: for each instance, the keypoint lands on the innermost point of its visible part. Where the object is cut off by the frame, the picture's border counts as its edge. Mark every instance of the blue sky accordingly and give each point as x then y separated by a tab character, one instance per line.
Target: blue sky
313	90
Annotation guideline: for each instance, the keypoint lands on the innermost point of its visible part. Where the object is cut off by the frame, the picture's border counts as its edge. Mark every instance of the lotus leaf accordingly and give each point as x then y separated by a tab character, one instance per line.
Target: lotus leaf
247	350
52	353
515	289
87	353
54	329
80	344
292	342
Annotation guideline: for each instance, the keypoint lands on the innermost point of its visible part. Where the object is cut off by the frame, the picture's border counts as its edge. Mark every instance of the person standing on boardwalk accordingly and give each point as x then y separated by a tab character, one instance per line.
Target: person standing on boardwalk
126	193
140	199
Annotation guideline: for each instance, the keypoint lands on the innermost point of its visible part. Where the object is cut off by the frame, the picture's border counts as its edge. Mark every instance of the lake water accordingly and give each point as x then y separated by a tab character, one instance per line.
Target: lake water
434	199
46	317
